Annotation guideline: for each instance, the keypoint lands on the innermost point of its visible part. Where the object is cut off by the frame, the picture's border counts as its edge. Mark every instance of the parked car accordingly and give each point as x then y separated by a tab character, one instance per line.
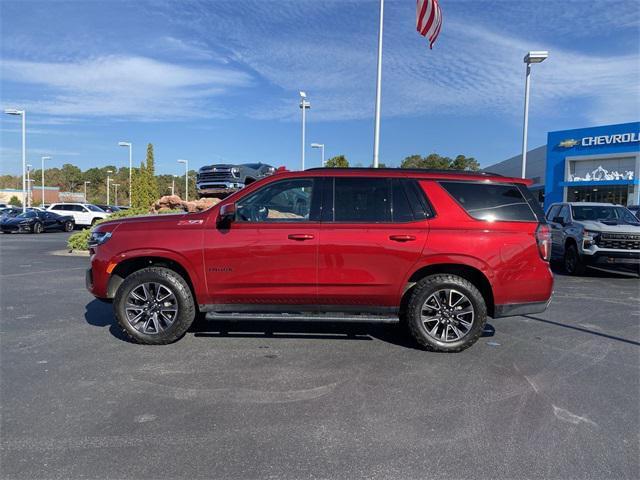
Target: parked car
436	249
109	208
597	235
3	205
223	178
83	213
34	221
635	209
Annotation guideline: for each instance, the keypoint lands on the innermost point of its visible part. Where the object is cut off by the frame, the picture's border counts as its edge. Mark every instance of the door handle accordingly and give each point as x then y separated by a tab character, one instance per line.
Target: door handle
301	236
402	238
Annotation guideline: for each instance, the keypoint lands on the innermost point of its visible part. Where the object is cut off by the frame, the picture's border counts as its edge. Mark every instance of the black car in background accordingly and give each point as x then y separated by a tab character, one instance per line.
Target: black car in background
37	222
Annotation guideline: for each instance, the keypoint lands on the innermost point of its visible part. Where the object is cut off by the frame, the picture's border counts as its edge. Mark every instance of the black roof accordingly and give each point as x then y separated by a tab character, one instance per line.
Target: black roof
411	170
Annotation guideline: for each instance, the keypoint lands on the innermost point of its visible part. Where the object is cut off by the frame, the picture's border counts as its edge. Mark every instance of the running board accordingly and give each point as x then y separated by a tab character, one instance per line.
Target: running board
301	317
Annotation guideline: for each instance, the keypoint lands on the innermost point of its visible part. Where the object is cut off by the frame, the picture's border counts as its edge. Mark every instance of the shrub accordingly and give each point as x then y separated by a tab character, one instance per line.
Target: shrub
15	201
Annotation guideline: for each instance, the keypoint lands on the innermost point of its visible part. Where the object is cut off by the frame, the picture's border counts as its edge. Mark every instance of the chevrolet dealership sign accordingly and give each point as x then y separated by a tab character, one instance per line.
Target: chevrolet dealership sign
630	137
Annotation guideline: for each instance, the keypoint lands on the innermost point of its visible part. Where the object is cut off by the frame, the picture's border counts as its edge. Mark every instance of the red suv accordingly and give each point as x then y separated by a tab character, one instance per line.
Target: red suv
440	250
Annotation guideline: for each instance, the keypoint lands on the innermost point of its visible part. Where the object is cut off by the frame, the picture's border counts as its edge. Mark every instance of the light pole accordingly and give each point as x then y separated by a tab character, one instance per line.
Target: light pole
108	180
173	185
23	113
85	190
376	126
42	171
28	197
304	105
116	185
529	58
321	147
186	178
128	144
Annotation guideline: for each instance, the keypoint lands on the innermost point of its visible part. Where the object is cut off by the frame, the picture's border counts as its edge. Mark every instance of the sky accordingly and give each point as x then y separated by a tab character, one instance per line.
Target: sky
218	81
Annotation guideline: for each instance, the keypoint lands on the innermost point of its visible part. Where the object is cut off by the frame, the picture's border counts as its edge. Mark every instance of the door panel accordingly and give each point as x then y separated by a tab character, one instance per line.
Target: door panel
362	265
269	255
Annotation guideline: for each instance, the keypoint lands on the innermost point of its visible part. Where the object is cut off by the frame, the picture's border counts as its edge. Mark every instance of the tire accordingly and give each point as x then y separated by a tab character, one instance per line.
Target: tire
93	221
163	329
37	228
68	226
451	332
573	264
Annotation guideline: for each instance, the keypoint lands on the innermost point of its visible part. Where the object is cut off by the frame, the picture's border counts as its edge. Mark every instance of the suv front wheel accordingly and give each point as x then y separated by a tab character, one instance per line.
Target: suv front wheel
573	264
446	313
154	306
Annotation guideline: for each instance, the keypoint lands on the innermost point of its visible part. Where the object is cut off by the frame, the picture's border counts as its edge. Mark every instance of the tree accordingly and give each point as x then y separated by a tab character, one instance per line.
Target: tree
15	201
465	163
435	161
71	177
145	184
339	161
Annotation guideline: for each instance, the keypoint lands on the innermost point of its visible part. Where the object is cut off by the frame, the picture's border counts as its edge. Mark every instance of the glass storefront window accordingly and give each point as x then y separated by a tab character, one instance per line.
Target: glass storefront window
617	194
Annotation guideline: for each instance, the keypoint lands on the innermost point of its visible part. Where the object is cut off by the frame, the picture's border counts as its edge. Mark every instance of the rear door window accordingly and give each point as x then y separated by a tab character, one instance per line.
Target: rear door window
489	201
362	200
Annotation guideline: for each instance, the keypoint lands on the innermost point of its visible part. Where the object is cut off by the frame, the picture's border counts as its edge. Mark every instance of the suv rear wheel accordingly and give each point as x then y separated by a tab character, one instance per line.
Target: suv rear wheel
154	306
446	313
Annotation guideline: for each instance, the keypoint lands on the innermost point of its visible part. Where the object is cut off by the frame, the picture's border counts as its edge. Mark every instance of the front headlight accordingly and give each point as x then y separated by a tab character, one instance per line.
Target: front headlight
98	238
235	171
589	238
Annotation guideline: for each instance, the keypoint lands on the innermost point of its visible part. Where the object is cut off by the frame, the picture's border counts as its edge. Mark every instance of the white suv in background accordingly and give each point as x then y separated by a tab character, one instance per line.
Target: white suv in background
83	213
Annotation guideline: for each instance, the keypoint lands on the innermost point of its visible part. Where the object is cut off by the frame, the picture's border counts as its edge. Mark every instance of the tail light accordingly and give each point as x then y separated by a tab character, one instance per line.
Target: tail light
543	239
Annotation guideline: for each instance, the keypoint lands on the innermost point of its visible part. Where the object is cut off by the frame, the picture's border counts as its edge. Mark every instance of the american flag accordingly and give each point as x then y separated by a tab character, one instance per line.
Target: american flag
428	19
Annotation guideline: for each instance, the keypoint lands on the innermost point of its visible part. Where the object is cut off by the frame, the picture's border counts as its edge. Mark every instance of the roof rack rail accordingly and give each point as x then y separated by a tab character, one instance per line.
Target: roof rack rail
412	170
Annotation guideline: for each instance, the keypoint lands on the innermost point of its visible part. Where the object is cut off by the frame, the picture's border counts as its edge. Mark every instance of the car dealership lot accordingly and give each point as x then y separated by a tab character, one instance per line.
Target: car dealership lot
548	395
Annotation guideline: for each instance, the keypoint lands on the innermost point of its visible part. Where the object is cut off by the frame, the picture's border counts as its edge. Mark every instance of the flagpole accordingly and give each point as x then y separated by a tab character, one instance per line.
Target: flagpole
376	132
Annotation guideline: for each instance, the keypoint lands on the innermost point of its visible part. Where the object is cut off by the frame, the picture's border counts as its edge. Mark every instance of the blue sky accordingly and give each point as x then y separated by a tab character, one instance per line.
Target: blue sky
218	81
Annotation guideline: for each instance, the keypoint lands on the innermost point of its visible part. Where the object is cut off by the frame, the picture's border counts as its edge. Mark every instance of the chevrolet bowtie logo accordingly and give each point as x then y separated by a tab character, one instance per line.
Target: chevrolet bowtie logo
568	143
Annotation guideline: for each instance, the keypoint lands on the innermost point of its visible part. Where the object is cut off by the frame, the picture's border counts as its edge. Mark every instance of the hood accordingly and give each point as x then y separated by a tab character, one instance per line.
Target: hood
16	221
603	227
167	219
208	168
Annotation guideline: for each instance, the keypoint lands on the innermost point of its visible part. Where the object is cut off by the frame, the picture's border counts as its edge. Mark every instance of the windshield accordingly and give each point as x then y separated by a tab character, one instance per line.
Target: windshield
603	213
27	215
93	208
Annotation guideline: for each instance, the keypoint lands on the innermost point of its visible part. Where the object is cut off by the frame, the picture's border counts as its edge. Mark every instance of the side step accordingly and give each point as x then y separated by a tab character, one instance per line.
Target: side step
304	317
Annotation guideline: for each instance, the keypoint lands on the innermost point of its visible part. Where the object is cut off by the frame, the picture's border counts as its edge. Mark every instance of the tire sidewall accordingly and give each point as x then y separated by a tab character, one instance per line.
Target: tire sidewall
68	226
37	228
177	285
433	284
572	251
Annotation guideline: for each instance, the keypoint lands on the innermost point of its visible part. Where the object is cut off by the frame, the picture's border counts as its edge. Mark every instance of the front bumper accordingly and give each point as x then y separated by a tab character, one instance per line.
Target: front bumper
218	185
16	228
614	260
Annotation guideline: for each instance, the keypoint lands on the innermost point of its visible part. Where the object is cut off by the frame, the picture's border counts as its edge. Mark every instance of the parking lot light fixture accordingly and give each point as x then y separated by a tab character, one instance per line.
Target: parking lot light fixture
130	145
186	178
42	173
108	180
304	105
23	114
534	56
85	190
321	147
28	197
116	185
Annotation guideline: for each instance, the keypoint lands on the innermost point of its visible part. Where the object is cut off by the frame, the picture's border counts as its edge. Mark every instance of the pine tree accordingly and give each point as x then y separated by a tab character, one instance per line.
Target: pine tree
152	181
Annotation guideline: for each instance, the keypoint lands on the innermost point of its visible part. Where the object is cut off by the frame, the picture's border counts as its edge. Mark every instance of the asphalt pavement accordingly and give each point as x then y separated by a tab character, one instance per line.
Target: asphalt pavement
552	395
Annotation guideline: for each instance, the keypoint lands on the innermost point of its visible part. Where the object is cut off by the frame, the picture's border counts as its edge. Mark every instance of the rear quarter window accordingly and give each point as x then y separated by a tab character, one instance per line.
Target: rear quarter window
488	201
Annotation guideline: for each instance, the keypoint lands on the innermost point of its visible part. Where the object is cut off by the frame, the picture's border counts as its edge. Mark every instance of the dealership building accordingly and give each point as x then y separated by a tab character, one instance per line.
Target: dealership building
594	164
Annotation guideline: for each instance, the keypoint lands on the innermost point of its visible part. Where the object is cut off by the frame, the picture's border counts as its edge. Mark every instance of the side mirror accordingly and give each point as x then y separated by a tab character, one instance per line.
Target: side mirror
559	220
227	213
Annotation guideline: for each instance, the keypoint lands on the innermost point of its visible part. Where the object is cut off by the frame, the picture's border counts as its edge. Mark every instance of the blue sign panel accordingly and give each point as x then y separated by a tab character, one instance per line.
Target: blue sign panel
606	140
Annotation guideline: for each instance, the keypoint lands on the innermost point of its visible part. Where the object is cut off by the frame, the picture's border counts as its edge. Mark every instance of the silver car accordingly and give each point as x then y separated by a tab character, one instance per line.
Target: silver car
603	236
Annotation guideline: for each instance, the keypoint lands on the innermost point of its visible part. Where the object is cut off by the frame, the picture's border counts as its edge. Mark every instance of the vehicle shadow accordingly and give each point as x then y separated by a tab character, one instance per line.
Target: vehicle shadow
559	270
100	314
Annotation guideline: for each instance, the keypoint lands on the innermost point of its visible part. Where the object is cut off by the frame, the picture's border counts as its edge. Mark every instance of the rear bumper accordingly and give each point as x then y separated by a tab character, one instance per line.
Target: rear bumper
514	309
